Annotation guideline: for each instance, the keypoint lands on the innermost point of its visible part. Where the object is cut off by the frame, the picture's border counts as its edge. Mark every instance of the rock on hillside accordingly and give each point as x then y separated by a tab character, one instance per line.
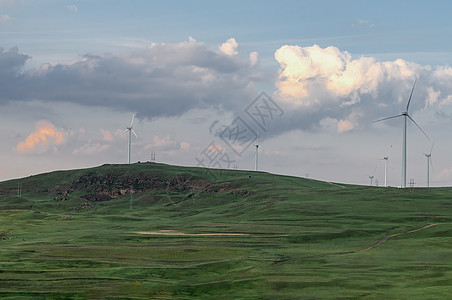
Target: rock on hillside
106	186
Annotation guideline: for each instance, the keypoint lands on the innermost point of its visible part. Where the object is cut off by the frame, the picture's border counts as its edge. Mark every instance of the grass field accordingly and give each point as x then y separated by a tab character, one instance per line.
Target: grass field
219	234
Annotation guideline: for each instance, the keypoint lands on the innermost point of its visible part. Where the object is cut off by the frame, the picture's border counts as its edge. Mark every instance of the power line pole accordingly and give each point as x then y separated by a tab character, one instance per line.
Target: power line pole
412	184
19	189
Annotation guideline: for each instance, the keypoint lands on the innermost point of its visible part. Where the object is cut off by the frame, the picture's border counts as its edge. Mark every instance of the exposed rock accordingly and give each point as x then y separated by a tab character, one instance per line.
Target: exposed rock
97	197
106	186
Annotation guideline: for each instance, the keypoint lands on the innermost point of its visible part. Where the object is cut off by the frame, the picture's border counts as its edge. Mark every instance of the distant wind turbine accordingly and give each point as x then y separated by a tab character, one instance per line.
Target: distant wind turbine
371	177
130	130
429	162
256	155
405	115
386	166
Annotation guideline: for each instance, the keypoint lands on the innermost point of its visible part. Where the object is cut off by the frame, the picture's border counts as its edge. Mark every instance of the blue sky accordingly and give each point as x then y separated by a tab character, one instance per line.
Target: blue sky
75	71
387	28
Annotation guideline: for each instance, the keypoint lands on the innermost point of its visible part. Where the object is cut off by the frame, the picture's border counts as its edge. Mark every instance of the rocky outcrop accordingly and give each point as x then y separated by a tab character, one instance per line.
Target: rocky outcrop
106	186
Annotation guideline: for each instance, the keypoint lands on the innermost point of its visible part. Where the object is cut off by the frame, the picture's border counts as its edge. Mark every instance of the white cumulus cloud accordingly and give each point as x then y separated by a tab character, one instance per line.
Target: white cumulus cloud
330	84
230	47
303	69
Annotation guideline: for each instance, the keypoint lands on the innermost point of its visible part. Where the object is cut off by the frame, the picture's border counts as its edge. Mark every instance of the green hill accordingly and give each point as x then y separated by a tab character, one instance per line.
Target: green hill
150	230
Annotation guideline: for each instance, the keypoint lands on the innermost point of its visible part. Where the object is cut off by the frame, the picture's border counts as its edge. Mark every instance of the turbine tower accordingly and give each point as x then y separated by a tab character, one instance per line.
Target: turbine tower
371	177
130	130
256	155
405	115
386	166
429	162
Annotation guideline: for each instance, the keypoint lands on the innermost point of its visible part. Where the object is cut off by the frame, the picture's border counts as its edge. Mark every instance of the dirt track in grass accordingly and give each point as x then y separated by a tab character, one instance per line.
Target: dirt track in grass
178	233
384	239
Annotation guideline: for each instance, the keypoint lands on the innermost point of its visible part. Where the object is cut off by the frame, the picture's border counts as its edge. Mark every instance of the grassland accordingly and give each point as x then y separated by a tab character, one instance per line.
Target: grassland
72	235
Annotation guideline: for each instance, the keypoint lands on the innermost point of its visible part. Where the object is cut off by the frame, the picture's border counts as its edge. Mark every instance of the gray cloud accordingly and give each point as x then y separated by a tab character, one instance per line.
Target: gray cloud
162	80
11	63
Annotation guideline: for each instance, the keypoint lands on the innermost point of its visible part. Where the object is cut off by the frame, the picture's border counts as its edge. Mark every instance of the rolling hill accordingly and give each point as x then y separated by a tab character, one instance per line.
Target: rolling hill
156	231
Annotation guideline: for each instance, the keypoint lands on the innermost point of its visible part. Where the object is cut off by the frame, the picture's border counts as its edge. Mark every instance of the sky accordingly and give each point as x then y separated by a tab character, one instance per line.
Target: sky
205	78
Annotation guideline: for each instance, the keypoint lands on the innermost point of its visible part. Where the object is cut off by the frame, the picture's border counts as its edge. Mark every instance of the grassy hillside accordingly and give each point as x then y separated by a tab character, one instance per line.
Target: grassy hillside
196	233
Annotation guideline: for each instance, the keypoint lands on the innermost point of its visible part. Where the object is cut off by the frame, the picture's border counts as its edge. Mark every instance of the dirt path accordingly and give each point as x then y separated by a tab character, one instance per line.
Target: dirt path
384	239
393	235
179	233
335	184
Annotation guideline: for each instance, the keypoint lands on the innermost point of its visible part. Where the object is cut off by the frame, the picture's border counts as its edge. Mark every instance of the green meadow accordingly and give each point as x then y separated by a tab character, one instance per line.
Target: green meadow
153	231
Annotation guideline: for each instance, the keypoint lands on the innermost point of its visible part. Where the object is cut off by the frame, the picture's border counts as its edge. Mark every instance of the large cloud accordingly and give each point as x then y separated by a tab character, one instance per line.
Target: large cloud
303	70
319	84
162	80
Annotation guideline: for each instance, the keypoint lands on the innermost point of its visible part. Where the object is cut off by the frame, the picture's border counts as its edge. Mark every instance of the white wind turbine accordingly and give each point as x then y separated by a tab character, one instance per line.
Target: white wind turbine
256	155
405	115
429	162
371	177
130	130
386	166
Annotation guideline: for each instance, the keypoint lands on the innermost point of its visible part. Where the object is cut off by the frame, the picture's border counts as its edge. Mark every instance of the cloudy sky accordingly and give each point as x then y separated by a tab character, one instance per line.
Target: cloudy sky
204	78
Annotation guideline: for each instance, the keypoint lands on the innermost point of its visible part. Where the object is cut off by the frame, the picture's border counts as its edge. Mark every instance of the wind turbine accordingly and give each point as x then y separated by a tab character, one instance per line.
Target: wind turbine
386	166
256	155
405	115
429	162
130	130
371	177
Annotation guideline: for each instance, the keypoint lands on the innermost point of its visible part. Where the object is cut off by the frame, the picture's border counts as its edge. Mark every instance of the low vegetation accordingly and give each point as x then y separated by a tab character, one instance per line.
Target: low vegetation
150	230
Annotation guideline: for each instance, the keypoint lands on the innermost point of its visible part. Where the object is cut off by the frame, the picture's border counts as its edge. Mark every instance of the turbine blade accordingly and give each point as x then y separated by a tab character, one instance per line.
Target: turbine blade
389	153
133	117
431	149
418	126
412	90
134	133
387	118
431	163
